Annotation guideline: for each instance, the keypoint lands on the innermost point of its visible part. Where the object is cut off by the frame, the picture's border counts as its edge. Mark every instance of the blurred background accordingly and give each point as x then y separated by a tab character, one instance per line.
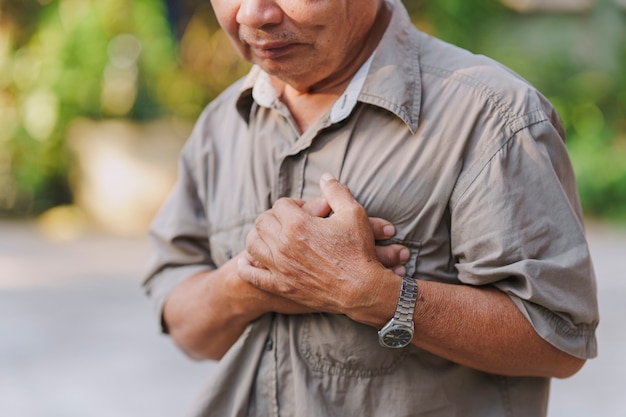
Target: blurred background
97	98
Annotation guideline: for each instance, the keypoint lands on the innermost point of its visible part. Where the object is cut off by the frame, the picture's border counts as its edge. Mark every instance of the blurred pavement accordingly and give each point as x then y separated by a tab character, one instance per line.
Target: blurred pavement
79	339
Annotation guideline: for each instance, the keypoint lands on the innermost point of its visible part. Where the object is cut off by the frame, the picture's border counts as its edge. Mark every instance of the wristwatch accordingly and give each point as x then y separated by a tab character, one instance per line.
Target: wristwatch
398	332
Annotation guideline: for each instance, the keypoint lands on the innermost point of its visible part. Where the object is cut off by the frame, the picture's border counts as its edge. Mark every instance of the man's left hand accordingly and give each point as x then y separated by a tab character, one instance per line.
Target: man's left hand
326	263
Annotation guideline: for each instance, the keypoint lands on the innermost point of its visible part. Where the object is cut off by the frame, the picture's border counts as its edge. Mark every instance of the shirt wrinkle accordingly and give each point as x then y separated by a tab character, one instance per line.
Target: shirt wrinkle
512	121
454	150
526	120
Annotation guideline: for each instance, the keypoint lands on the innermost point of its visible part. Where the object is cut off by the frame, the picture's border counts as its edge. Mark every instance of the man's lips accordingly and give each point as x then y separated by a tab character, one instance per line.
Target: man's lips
271	50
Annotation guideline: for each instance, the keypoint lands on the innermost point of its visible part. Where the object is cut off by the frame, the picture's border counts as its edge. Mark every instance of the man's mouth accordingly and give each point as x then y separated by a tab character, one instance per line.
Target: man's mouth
271	50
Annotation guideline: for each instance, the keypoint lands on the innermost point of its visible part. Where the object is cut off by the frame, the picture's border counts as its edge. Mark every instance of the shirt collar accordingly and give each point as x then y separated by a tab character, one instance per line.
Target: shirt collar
346	103
263	92
389	79
265	95
394	81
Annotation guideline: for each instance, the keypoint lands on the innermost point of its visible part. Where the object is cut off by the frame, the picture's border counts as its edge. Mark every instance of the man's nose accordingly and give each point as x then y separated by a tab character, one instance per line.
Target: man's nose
259	13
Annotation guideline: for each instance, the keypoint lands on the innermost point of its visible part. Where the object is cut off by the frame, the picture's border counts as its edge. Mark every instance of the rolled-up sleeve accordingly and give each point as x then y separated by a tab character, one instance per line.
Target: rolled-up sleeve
518	226
179	238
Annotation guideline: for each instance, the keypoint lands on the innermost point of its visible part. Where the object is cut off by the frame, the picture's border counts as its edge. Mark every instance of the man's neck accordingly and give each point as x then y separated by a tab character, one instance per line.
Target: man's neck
307	108
309	102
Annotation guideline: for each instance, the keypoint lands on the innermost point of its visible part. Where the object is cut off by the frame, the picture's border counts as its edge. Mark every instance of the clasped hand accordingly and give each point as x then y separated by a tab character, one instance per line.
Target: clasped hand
327	263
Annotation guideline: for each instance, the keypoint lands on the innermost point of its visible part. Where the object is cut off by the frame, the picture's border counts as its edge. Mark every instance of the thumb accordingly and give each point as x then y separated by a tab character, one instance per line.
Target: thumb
337	195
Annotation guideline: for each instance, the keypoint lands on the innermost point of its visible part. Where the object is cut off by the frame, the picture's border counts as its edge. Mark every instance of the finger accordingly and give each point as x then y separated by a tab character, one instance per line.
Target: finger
338	195
256	246
289	209
317	207
393	255
382	228
249	259
257	277
268	223
400	270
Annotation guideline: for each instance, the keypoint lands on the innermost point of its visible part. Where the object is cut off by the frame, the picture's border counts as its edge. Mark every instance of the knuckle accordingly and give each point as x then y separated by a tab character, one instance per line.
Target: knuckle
252	237
258	224
356	210
280	203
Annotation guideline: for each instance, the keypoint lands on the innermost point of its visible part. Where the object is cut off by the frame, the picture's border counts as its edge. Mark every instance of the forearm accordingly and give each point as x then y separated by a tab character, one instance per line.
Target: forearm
199	319
479	327
483	329
209	311
334	260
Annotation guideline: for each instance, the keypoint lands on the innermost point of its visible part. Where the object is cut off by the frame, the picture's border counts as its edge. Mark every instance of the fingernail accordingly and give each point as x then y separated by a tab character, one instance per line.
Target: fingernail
389	230
404	255
327	177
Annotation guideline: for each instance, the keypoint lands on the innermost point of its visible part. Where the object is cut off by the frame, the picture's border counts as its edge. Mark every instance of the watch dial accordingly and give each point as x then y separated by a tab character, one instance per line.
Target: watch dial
397	338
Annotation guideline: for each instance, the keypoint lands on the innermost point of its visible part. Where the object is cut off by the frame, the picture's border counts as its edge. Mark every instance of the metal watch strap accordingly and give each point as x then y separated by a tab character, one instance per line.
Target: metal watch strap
406	301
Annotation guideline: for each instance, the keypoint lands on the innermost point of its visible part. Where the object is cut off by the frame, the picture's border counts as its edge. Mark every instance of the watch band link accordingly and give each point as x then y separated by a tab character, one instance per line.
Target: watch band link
406	301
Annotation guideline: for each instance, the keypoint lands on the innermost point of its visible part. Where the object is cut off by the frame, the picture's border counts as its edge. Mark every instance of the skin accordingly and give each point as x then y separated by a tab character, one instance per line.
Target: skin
311	49
288	38
477	327
208	312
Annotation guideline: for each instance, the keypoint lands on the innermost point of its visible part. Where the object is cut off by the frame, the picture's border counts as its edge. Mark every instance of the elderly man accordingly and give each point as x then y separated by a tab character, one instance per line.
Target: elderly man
373	223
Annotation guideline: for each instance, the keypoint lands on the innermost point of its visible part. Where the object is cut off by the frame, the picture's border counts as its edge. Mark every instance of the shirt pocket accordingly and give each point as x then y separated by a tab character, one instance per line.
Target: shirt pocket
336	345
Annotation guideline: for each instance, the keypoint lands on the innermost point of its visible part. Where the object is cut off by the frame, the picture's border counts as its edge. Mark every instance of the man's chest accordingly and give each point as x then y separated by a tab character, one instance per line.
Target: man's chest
403	177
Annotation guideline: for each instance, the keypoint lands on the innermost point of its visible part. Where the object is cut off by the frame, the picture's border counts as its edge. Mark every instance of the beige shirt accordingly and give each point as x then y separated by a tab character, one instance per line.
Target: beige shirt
467	161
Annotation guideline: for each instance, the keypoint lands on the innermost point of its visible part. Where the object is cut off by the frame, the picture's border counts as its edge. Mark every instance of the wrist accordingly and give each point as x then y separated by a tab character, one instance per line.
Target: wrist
245	302
378	300
399	330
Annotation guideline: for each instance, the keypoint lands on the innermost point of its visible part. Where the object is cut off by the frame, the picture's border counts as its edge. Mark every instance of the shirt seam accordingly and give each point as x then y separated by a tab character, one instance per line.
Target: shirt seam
512	124
467	179
561	326
492	95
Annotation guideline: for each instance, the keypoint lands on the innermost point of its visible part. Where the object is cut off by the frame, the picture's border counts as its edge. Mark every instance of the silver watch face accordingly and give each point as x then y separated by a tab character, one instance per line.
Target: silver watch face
396	337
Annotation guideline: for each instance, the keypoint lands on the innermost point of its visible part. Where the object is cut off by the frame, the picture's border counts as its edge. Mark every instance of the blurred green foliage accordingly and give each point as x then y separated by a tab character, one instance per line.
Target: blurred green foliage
578	60
64	59
102	59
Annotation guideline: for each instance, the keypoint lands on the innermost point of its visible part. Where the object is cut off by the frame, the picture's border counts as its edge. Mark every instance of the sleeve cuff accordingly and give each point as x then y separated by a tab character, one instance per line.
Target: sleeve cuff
578	340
